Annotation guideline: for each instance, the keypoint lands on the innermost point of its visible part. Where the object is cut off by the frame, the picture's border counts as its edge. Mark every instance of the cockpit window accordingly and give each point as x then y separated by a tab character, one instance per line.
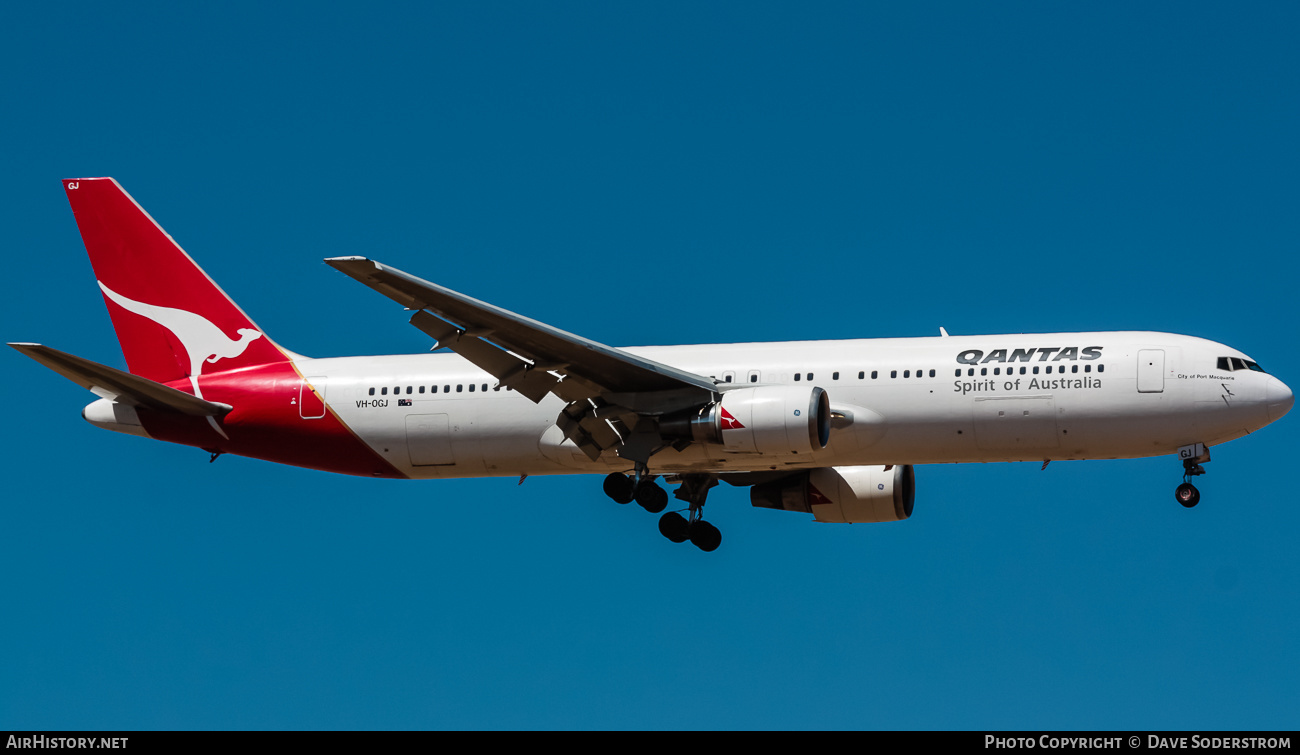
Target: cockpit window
1229	364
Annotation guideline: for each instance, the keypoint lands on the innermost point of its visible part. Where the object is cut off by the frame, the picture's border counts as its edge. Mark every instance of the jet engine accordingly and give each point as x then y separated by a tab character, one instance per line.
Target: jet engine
768	419
852	495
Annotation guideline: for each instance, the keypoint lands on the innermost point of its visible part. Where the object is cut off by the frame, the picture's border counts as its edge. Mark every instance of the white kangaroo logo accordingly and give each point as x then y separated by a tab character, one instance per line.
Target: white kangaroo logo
203	341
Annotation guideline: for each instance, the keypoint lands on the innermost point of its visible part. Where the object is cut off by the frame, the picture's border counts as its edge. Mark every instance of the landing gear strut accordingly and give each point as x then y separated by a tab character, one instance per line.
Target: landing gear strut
1193	456
677	528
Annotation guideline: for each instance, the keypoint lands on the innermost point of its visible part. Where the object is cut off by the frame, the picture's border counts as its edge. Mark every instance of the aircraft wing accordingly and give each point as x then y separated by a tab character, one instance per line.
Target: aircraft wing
536	359
107	382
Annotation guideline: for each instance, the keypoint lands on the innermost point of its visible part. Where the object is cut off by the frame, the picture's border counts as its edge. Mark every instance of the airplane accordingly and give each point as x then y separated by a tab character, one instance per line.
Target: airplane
828	428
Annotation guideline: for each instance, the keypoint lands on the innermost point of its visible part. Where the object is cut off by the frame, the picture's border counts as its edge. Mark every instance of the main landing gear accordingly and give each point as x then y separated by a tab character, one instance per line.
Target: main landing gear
645	492
1193	456
649	496
679	529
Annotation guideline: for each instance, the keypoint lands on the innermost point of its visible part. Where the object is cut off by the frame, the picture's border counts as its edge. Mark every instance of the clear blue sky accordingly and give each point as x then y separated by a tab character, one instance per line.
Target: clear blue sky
649	174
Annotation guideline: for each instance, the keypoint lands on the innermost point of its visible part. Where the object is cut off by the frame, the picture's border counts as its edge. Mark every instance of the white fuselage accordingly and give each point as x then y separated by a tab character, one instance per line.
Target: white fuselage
896	401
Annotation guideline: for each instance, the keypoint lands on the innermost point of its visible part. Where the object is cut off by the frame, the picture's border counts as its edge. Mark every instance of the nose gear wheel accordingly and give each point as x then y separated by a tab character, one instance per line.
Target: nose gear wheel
1193	456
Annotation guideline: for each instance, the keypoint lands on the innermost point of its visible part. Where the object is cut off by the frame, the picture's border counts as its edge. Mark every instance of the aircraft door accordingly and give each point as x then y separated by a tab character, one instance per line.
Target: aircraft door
311	398
1151	371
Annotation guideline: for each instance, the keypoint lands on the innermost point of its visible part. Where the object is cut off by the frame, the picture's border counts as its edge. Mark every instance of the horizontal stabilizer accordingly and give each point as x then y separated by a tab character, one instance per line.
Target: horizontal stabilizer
110	383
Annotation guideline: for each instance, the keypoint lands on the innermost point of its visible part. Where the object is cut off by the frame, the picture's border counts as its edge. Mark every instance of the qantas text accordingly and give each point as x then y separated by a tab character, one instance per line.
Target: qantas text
975	356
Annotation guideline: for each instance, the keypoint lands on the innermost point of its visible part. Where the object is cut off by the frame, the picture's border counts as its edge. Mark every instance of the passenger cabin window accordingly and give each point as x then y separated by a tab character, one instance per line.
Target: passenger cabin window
372	391
873	374
835	376
383	391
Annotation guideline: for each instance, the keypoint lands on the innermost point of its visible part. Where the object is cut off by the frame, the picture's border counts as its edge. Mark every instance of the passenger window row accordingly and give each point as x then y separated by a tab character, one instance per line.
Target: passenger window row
970	372
459	388
1225	363
1060	369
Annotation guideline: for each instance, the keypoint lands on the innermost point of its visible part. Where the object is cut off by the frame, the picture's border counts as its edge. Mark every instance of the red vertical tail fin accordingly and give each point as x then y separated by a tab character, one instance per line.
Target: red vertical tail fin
171	318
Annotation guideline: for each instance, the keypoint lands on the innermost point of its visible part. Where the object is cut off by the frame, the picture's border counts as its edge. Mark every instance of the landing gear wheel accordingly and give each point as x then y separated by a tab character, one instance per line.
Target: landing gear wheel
1188	495
651	497
705	536
674	527
619	487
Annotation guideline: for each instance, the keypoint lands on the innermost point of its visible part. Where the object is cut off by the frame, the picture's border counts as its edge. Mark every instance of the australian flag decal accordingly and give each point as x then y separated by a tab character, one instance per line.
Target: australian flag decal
403	402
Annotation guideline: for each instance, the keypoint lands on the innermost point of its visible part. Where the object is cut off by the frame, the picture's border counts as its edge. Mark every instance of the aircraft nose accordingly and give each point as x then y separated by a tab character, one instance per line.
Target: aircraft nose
1279	399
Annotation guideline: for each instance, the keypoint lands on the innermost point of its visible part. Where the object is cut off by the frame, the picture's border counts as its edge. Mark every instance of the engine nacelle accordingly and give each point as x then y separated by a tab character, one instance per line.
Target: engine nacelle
767	419
851	495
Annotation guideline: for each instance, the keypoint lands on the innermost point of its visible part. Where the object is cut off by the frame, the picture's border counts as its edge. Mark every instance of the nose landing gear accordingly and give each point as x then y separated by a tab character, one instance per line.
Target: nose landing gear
1193	456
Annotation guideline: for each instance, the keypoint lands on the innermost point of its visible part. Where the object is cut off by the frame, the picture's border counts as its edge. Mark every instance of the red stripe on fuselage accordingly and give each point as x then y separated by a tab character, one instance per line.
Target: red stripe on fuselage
266	424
